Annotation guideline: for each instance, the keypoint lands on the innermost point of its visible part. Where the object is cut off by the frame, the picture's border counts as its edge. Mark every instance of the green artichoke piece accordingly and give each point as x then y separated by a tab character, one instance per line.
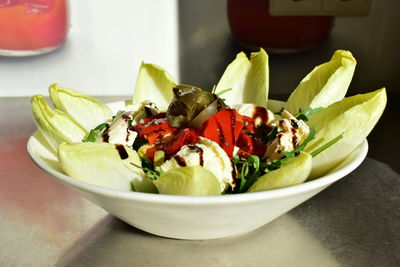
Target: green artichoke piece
353	116
292	171
154	84
105	165
56	126
188	102
325	84
249	79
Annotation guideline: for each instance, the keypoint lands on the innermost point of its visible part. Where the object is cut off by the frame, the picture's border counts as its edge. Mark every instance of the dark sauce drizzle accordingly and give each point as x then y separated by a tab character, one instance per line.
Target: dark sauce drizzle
121	151
294	138
106	135
181	161
261	113
198	150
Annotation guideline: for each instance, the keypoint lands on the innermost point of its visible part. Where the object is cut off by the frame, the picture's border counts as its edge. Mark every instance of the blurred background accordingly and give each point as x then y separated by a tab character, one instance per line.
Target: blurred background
106	43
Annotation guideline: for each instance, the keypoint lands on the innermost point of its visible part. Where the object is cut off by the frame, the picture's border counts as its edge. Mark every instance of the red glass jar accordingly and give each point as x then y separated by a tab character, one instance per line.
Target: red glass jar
252	25
31	27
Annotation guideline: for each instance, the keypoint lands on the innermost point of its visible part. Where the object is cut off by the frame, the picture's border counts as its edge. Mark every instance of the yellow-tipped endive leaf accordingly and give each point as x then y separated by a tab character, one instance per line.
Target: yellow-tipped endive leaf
56	126
249	79
86	110
105	165
293	171
325	84
354	116
154	84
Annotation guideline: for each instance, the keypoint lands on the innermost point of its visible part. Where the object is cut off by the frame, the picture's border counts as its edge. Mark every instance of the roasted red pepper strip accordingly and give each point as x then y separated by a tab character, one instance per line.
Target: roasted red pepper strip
220	129
226	121
186	136
229	129
153	130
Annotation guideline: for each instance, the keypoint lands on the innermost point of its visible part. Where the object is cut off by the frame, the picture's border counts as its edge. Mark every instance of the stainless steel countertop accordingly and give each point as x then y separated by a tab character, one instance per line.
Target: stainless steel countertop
355	222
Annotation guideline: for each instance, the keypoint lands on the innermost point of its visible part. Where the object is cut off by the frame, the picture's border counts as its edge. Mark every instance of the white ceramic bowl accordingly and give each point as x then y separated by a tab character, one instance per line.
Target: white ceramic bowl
187	217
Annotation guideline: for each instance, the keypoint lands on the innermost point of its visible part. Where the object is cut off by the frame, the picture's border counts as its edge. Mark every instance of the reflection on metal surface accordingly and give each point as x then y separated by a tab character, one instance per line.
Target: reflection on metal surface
284	241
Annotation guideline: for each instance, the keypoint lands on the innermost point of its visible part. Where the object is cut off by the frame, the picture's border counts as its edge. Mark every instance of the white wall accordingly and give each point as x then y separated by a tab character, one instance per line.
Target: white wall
106	44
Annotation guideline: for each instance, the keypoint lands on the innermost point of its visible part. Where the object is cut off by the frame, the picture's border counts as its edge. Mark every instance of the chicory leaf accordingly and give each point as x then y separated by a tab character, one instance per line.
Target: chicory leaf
249	80
105	165
353	116
87	111
56	126
188	181
291	172
325	84
154	84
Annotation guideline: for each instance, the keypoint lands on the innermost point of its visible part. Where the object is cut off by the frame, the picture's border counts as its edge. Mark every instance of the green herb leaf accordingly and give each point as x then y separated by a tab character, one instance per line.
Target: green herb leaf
270	136
223	91
213	89
307	113
293	153
249	169
95	132
325	146
279	112
148	170
133	187
276	164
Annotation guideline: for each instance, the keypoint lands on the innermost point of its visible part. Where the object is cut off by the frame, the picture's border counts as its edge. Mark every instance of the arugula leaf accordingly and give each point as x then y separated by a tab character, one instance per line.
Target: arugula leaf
95	132
133	189
328	144
307	113
223	91
249	169
270	136
275	164
213	89
301	147
279	112
148	170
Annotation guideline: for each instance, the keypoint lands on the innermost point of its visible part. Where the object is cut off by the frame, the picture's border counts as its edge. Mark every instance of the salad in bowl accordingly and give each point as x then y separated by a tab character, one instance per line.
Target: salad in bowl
179	139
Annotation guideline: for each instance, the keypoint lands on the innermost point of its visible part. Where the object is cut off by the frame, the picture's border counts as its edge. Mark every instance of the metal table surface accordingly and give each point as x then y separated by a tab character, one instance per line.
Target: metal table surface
43	223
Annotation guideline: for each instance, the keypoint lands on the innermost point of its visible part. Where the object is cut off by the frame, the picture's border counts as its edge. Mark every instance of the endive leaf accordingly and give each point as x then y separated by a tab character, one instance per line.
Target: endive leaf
154	84
188	181
87	111
292	171
353	116
56	126
105	165
325	84
249	79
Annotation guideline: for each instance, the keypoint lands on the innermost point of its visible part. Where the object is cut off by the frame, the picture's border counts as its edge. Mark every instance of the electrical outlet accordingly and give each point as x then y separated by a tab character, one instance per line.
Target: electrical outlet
294	7
319	7
346	7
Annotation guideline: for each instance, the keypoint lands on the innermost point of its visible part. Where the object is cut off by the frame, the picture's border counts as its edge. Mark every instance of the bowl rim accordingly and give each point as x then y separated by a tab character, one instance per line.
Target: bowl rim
357	157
